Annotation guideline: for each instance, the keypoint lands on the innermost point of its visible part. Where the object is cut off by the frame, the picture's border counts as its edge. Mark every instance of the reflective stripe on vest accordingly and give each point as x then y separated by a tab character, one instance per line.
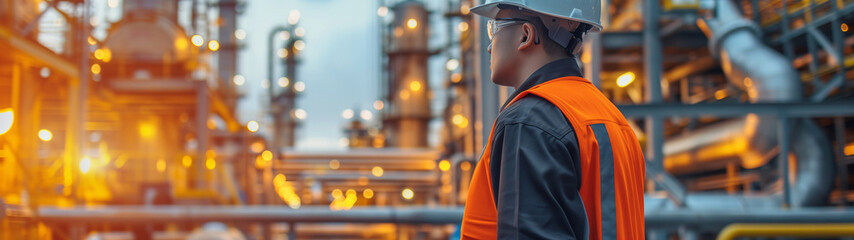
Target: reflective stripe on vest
612	166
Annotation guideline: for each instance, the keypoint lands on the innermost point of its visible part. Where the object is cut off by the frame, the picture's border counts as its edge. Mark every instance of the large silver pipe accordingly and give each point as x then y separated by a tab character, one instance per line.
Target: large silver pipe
714	220
243	214
654	204
748	210
767	76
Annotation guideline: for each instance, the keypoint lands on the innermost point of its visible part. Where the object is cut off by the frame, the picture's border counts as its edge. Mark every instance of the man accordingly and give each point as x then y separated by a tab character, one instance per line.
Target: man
561	162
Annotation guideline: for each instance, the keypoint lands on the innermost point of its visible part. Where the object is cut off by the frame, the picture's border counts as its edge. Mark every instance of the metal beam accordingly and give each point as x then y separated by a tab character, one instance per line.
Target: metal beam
388	176
203	112
823	109
826	89
76	138
652	52
35	21
833	55
676	192
371	154
629	39
842	168
689	68
33	52
783	131
845	11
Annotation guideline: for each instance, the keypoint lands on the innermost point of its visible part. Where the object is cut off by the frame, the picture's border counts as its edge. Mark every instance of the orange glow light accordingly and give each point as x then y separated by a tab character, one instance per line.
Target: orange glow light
411	23
407	193
267	155
279	180
457	119
96	68
463	26
465	166
444	165
377	171
210	163
720	94
187	161
625	79
161	165
108	55
45	135
197	40
213	45
456	77
99	54
147	130
252	126
257	147
849	149
415	86
85	164
260	163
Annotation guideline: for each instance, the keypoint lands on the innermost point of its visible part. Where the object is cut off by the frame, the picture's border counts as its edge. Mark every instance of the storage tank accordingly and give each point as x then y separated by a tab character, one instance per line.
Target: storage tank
406	121
148	44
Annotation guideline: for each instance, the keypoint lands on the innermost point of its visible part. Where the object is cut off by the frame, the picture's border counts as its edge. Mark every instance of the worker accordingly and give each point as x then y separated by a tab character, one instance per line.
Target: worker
561	161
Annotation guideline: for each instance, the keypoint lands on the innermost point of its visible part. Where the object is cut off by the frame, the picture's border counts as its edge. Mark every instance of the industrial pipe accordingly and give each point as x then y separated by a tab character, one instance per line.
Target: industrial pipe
827	230
766	76
655	218
243	214
715	219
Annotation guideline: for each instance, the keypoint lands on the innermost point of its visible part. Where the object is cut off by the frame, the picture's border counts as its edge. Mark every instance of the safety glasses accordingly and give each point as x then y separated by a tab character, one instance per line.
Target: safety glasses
493	25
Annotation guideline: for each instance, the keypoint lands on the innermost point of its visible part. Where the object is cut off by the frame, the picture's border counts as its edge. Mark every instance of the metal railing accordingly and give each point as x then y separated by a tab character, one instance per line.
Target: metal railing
787	230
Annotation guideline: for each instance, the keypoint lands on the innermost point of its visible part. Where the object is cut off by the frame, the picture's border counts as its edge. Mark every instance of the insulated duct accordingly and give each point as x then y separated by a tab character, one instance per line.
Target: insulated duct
766	76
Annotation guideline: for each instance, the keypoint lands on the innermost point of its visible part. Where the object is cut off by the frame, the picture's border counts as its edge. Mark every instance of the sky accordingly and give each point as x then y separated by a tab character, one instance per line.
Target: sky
340	63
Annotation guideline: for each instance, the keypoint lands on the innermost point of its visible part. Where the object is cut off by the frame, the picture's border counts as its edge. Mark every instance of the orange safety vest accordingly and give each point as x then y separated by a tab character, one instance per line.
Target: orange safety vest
612	165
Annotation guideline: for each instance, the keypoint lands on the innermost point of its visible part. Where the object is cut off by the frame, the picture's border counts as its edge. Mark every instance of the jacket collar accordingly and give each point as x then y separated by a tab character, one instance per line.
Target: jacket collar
555	69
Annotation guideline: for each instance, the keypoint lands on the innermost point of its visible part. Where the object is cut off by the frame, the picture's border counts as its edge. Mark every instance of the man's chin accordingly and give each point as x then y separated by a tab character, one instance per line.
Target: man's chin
499	82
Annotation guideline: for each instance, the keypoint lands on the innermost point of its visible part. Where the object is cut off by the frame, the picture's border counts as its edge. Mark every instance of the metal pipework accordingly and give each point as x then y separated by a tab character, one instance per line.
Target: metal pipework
714	220
199	214
787	230
657	206
658	218
767	76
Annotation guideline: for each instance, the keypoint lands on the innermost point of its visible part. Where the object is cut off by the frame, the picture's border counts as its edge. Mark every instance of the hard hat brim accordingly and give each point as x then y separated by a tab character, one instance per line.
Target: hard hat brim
490	10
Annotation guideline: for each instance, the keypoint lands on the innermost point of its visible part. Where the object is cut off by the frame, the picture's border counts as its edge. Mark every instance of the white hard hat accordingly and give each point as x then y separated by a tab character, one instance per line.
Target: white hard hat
584	11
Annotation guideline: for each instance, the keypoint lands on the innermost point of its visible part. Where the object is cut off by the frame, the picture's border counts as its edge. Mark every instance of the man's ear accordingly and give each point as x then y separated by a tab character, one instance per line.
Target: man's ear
529	36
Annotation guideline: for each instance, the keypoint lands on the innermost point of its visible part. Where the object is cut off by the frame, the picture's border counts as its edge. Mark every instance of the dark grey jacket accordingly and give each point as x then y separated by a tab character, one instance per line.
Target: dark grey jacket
534	165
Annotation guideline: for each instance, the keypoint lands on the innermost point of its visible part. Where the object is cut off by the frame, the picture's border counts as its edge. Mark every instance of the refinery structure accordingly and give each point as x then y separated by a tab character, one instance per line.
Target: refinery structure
130	128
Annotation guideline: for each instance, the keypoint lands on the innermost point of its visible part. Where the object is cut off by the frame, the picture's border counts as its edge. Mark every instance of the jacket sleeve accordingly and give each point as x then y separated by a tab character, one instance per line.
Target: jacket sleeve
535	182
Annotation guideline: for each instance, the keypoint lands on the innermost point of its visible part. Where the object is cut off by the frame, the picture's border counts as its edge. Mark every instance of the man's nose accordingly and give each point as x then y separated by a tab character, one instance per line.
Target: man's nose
489	48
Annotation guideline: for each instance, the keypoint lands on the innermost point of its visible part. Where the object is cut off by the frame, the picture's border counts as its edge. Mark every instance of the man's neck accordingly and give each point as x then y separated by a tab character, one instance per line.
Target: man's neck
528	67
